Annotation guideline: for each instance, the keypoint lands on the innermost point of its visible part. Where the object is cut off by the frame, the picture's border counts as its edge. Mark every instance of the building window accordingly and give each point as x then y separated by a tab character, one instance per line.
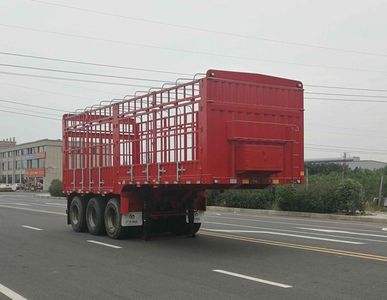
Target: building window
34	163
41	163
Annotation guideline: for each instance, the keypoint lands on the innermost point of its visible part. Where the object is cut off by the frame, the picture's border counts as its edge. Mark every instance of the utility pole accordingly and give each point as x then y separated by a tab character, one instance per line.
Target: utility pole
344	164
381	204
306	178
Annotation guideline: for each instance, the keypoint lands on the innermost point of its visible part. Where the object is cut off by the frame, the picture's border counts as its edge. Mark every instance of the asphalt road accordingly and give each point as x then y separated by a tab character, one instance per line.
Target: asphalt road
233	257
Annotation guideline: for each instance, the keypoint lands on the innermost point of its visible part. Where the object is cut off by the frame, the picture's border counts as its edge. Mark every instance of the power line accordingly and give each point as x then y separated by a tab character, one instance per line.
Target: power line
29	115
147	86
80	73
43	91
348	134
212	31
345	100
345	128
73	79
91	63
344	147
166	72
32	111
347	95
188	50
345	88
340	150
32	105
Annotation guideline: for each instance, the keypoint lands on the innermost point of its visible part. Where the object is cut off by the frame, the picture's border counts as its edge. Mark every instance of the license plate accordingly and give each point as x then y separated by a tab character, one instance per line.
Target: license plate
132	219
198	216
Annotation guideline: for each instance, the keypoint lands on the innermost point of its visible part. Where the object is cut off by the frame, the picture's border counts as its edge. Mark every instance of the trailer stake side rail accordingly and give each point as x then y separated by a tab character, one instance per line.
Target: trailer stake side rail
148	158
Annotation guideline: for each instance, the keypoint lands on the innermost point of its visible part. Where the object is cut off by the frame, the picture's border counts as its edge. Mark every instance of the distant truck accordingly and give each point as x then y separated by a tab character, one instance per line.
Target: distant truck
143	163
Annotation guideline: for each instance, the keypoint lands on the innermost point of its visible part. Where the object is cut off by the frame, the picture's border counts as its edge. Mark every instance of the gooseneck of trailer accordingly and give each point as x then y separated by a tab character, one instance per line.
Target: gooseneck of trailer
142	164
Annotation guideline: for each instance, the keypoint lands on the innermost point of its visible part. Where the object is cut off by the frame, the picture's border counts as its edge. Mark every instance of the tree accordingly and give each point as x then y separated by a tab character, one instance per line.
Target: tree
350	196
56	188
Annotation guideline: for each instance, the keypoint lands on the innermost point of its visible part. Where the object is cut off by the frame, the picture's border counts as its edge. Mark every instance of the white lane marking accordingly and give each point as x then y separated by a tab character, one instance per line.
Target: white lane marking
33	228
342	231
56	204
296	231
21	204
41	204
10	293
34	210
384	229
104	244
285	234
281	285
260	220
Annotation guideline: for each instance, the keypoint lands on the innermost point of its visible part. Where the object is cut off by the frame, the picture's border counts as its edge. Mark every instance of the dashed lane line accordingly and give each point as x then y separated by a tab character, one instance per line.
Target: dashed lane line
277	284
104	244
10	293
33	228
34	210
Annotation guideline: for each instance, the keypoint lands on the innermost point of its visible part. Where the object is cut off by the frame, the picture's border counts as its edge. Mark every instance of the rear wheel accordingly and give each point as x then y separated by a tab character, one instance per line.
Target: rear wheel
179	226
95	216
113	226
78	214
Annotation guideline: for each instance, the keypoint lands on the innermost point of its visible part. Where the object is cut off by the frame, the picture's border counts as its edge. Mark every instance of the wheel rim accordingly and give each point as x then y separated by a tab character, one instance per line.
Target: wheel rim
74	214
92	217
111	219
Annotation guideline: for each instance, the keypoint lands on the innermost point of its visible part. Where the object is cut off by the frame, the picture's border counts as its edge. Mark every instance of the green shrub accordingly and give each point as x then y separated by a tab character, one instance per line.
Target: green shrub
56	188
318	197
258	199
350	196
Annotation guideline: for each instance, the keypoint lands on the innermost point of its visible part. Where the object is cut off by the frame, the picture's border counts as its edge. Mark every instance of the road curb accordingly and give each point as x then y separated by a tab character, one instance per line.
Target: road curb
267	212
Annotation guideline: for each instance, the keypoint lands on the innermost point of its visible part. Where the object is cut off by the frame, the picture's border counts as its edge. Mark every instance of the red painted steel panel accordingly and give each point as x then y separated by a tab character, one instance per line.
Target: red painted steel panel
221	129
250	158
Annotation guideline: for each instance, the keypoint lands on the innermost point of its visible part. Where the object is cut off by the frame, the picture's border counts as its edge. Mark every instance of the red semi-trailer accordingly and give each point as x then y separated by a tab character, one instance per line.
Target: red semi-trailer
142	163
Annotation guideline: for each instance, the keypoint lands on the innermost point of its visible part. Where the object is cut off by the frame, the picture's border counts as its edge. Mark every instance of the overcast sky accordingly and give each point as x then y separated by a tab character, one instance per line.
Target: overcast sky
281	36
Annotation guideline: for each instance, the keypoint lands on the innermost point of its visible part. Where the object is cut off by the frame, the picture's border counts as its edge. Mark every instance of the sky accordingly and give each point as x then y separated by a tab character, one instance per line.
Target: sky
321	43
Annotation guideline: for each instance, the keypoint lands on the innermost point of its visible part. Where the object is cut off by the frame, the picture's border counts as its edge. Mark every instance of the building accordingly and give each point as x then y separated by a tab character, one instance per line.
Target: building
6	143
33	164
367	164
352	162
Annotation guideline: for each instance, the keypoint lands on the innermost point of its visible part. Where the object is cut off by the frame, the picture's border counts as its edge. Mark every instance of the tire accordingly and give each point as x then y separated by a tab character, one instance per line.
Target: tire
197	227
112	218
95	219
180	227
78	214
